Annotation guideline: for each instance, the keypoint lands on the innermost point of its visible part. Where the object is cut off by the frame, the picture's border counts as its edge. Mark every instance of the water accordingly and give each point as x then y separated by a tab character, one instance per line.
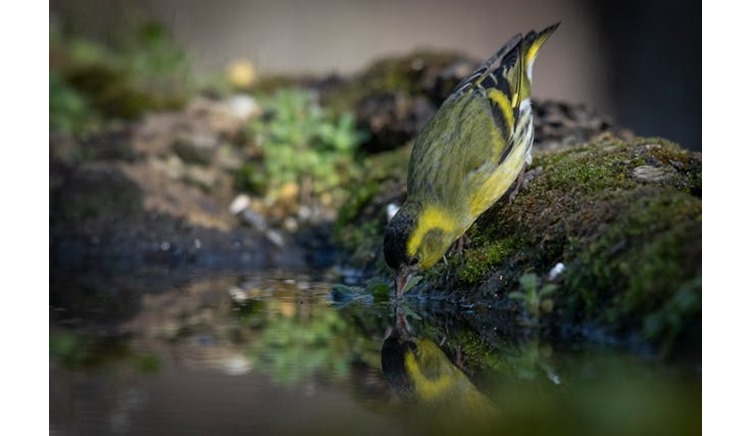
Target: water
154	353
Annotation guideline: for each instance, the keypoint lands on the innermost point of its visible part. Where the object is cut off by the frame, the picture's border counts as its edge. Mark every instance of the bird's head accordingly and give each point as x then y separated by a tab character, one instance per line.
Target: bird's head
415	240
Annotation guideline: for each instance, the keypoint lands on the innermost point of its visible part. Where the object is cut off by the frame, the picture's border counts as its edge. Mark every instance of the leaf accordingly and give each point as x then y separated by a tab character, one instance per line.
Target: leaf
379	288
529	281
548	289
413	281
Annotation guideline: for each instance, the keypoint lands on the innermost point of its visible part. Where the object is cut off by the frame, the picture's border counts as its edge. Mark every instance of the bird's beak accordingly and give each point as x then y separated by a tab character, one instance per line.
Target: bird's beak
402	278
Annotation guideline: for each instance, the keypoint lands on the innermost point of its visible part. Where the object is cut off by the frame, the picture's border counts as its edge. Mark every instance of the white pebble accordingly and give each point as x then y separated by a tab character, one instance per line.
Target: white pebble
275	237
243	106
556	271
239	204
238	295
237	365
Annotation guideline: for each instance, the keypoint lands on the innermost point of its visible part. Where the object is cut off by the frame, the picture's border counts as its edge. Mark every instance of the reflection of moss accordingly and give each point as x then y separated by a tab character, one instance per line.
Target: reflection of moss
70	349
533	296
81	350
147	363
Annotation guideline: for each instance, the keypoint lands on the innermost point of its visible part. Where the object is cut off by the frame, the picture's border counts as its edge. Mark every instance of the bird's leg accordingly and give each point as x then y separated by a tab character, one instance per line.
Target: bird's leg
461	243
522	181
459	358
518	185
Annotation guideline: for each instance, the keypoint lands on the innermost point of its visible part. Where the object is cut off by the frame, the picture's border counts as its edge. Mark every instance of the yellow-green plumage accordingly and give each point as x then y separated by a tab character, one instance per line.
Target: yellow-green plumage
467	156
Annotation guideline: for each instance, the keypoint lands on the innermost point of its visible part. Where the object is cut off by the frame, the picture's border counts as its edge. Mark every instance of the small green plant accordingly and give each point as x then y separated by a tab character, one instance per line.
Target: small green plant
302	143
70	112
534	298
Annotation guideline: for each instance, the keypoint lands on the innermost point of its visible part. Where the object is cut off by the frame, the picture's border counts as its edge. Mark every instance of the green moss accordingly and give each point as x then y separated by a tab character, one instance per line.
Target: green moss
116	94
588	169
477	262
676	316
667	152
639	260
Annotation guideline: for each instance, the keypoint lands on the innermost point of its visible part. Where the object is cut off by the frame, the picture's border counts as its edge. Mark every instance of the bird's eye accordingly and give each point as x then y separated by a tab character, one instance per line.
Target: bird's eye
414	261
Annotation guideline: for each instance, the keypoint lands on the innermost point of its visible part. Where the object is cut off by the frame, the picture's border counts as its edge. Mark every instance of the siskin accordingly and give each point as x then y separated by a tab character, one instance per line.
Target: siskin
469	154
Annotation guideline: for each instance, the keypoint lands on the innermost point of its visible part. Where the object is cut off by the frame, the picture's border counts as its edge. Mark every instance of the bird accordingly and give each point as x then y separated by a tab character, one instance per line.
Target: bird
477	145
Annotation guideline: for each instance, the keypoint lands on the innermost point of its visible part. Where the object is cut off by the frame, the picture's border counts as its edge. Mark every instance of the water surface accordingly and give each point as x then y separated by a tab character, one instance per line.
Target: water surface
276	354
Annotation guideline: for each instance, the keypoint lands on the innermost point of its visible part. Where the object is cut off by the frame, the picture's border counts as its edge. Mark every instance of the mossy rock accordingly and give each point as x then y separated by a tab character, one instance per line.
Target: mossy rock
422	72
623	217
115	94
362	219
395	97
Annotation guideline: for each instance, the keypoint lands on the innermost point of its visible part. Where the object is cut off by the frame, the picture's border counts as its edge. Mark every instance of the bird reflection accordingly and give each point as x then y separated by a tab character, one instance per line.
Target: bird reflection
419	371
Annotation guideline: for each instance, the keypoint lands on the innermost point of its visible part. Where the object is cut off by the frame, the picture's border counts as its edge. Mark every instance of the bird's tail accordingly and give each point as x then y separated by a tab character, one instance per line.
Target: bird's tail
531	46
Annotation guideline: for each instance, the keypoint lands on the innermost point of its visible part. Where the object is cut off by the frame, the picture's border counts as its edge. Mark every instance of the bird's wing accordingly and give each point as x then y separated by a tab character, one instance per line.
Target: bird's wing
473	132
505	80
486	68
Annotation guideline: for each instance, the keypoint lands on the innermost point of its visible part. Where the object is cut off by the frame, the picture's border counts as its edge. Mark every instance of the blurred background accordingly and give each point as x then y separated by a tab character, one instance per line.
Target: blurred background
637	61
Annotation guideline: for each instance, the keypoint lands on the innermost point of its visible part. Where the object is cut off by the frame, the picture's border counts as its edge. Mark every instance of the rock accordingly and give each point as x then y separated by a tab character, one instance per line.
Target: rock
275	237
196	148
229	158
239	204
254	219
395	97
559	125
203	177
243	107
238	295
392	119
63	148
650	174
